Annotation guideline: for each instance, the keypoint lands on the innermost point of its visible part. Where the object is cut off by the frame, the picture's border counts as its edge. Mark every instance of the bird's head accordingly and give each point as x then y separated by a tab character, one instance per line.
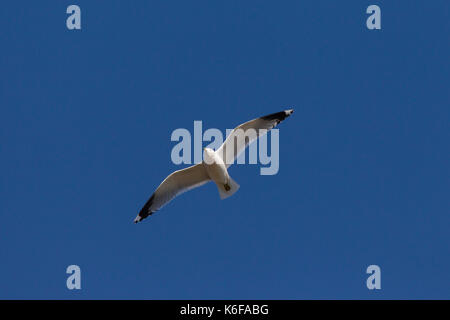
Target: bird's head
208	155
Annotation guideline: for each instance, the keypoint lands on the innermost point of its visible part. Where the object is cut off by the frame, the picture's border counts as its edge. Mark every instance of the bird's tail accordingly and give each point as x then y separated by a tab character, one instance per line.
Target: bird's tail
227	190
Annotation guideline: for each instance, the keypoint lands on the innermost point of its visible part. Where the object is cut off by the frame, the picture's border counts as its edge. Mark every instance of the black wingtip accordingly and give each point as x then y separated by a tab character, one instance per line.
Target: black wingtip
279	116
145	211
142	215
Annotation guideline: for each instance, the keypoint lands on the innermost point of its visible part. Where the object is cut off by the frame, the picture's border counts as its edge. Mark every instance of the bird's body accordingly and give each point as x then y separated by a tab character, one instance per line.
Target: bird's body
217	172
214	165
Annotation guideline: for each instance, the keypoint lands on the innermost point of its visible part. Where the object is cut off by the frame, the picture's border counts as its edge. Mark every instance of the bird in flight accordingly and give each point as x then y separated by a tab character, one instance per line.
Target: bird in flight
214	166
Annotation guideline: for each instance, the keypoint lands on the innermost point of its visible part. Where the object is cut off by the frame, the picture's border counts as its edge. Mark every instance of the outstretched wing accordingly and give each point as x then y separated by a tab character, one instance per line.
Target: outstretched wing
175	184
246	133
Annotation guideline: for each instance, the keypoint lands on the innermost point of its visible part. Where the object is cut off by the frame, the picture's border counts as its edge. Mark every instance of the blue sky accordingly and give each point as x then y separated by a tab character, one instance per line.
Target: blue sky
85	125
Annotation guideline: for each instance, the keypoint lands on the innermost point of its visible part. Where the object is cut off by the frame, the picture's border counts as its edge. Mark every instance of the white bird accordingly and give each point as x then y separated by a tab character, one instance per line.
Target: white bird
214	165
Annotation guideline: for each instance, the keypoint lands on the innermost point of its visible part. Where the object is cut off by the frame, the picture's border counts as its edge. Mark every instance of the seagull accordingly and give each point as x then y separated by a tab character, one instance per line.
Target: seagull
214	166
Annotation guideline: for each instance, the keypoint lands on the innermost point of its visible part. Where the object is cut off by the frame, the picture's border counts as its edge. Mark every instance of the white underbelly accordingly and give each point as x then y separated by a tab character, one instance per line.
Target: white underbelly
217	170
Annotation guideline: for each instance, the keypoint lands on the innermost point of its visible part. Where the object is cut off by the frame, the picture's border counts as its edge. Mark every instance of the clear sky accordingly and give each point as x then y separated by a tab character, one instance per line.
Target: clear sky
86	118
